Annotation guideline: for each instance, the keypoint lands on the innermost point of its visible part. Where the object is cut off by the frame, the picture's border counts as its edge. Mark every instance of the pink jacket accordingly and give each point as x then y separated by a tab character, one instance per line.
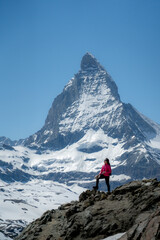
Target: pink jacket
107	169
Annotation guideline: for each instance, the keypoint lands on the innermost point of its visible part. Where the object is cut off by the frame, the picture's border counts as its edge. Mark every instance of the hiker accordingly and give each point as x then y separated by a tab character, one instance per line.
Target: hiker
104	173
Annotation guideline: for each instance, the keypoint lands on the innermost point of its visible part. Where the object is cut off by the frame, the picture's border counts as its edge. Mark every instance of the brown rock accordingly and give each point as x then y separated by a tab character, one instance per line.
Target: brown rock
133	208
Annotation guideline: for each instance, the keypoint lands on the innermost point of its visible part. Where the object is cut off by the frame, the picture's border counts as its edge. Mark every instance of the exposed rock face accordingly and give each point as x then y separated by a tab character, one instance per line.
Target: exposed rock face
146	228
133	208
89	62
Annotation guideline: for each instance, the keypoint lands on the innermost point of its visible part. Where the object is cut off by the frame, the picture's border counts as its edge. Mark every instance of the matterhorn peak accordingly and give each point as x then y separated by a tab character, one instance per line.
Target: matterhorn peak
90	62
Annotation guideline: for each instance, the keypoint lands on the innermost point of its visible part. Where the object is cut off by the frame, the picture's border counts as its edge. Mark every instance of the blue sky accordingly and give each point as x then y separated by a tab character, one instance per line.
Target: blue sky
42	43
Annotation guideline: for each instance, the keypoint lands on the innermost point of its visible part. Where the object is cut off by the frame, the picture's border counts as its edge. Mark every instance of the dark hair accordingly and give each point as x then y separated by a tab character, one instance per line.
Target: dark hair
107	160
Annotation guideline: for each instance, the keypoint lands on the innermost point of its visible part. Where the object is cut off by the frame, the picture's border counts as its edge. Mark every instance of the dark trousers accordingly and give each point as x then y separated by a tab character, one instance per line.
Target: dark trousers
106	179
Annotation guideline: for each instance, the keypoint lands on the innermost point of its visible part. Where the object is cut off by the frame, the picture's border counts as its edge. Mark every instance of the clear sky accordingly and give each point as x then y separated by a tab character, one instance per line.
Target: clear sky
42	43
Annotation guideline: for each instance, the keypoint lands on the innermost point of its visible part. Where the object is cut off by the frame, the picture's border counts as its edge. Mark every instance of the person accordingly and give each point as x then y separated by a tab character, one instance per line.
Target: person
104	174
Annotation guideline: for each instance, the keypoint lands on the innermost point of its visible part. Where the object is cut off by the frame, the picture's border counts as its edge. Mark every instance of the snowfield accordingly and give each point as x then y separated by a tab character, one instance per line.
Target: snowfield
79	156
22	203
28	201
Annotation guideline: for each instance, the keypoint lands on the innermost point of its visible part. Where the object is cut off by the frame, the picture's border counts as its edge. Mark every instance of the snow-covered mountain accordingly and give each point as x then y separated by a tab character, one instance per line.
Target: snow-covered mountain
86	123
90	101
6	141
90	106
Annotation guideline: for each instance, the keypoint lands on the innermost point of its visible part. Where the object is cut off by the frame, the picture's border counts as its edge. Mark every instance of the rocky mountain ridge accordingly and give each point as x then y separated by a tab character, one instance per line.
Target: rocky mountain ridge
133	208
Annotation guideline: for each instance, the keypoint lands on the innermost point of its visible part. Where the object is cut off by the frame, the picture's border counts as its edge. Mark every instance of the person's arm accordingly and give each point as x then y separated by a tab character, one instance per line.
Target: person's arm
102	170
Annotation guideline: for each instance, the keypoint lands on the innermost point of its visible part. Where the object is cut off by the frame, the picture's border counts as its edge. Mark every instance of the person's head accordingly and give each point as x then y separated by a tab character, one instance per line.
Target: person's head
106	161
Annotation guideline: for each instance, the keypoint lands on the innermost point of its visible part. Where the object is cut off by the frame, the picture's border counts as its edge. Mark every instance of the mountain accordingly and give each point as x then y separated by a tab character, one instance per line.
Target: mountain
81	106
6	141
132	210
86	123
90	102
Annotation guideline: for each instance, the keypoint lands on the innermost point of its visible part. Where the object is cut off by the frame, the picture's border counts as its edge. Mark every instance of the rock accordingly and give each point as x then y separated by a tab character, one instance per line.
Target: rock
89	62
72	210
133	208
145	230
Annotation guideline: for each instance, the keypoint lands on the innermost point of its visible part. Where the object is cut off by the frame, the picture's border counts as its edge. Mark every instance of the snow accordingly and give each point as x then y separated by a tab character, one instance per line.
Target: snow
32	199
121	177
2	183
155	142
69	84
115	237
35	137
72	158
22	203
29	201
90	109
113	178
3	237
75	157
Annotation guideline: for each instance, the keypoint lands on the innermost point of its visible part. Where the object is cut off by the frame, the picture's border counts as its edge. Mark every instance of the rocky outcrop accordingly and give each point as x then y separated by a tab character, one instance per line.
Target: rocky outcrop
133	208
146	228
